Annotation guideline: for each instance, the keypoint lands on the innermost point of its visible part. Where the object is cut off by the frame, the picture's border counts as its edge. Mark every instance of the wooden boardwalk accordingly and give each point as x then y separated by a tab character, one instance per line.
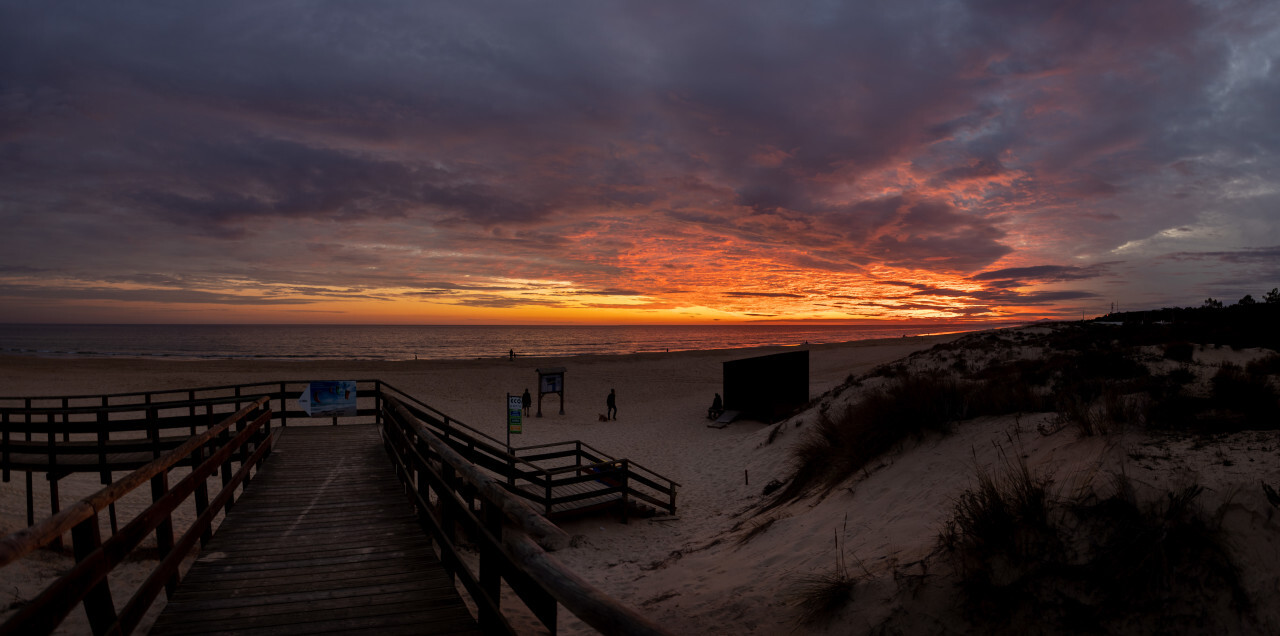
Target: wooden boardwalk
323	541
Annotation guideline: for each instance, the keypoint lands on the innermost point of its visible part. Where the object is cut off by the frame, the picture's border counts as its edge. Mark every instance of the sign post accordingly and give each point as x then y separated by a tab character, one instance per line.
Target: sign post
515	409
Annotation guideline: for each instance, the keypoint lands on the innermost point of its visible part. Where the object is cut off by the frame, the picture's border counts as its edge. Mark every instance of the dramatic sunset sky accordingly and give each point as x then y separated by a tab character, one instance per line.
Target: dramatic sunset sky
620	162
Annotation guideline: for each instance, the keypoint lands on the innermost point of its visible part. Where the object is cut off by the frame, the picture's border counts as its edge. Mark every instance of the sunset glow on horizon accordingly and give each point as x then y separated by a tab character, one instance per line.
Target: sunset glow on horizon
621	163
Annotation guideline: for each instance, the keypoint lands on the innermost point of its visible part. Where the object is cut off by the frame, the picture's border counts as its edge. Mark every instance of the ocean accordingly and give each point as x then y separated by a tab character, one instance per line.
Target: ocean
388	342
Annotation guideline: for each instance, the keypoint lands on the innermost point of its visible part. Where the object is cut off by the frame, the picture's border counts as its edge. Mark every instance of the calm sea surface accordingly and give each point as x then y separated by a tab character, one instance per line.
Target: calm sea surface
364	342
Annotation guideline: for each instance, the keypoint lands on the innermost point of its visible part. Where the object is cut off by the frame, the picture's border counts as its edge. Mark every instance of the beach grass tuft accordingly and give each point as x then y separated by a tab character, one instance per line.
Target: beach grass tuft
1087	562
821	597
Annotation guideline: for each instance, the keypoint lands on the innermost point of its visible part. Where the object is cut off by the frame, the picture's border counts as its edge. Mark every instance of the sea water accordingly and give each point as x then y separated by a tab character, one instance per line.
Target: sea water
389	342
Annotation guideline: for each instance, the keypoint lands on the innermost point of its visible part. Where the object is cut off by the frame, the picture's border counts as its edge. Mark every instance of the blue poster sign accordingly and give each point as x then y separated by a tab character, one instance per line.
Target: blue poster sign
329	398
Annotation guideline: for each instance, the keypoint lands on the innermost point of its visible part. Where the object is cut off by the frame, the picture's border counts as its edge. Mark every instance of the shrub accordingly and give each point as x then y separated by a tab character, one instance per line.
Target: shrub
1111	364
1088	564
1001	528
1248	399
1179	351
1269	365
1149	556
1000	396
838	445
1178	377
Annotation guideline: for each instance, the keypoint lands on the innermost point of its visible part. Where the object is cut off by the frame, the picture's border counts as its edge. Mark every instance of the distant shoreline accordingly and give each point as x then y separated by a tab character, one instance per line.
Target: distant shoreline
361	343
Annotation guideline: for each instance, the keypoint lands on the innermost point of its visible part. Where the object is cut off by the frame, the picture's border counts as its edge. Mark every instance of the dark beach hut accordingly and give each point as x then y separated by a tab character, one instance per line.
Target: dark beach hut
768	387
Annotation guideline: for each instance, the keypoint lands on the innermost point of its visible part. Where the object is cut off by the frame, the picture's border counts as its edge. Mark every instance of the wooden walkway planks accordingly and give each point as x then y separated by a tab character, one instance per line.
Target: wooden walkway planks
324	540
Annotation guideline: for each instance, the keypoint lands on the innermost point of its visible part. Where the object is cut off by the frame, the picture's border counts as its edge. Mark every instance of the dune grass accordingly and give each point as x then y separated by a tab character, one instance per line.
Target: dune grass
1086	562
819	598
840	444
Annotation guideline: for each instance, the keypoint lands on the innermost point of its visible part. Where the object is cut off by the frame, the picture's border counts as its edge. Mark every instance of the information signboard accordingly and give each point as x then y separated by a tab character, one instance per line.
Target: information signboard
551	383
515	408
329	398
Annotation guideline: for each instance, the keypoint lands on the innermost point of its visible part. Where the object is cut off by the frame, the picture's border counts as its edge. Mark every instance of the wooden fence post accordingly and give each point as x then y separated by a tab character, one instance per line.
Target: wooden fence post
53	476
164	531
626	472
490	554
224	438
85	538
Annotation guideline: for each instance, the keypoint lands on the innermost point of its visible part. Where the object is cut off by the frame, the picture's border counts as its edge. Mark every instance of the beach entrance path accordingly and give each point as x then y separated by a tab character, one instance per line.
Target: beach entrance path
323	540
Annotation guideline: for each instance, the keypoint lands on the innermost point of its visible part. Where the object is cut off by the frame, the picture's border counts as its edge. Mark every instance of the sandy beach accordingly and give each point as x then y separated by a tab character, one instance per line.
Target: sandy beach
662	401
724	564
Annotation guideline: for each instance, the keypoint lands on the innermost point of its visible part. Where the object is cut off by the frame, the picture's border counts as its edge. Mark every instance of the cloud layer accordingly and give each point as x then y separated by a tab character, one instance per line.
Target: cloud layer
634	161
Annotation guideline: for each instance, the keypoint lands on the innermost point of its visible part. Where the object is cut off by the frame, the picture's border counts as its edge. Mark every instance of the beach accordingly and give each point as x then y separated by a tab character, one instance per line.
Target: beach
662	402
726	562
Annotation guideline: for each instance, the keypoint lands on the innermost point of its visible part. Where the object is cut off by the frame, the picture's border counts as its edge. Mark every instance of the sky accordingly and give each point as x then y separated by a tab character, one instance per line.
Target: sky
634	162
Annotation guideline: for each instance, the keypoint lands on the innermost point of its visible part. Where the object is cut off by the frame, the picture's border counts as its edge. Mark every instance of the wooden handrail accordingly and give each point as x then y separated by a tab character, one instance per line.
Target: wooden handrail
548	534
87	580
594	607
527	548
487	452
24	541
124	408
143	394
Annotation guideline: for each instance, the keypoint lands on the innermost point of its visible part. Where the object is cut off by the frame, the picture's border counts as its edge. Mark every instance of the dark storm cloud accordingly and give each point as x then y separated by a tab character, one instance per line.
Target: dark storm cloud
174	296
740	294
612	292
1257	254
1017	276
457	287
992	295
535	141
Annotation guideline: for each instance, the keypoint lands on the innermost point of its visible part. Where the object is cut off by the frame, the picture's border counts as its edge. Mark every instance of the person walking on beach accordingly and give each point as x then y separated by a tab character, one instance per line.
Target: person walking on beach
511	354
526	400
612	403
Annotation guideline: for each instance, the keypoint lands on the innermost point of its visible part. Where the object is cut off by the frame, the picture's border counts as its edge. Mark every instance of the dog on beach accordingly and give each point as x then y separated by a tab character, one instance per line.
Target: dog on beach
603	418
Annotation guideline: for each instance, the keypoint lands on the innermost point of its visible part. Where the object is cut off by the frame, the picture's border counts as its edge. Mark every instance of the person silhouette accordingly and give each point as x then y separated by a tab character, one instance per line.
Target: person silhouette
612	403
526	400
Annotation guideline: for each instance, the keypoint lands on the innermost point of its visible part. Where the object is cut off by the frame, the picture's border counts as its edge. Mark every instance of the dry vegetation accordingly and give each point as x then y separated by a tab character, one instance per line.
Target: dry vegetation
1089	563
1109	559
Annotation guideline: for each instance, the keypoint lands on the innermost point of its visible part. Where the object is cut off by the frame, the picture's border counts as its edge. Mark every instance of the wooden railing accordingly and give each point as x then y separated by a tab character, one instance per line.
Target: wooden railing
561	465
452	496
94	434
102	433
549	475
213	449
105	433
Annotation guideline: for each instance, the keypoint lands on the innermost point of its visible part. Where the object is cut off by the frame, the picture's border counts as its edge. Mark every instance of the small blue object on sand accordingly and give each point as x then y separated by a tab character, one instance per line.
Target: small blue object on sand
725	419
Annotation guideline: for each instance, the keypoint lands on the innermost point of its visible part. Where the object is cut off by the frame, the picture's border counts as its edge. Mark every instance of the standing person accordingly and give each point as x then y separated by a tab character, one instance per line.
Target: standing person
612	403
511	354
527	401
